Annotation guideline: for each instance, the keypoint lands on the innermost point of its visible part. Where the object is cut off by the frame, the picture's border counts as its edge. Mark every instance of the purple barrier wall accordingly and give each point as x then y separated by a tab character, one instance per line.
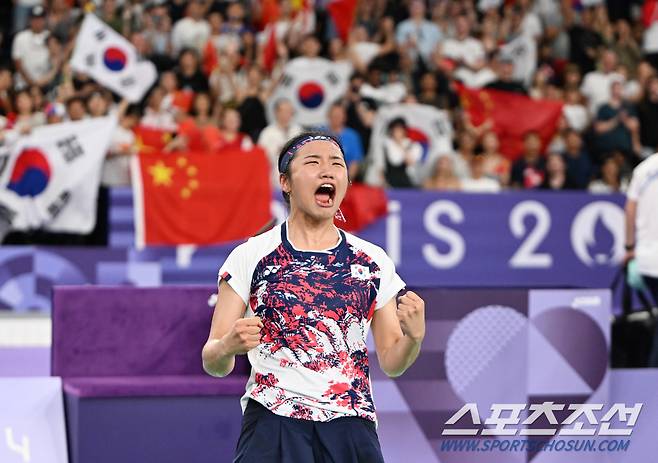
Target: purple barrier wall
482	347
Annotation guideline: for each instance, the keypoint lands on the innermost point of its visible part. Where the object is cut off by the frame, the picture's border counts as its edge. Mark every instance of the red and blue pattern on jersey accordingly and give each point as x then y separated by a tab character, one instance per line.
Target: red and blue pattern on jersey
312	362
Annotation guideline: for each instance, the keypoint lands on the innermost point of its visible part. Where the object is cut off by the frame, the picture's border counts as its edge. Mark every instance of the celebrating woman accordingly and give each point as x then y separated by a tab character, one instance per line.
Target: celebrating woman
299	300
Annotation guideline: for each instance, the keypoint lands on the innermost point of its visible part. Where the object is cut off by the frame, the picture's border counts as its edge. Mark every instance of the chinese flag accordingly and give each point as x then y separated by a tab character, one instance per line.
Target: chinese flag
150	140
513	115
342	12
200	198
362	205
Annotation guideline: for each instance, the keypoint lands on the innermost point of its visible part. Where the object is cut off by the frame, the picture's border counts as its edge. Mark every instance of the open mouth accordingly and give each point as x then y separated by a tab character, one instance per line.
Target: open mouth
324	195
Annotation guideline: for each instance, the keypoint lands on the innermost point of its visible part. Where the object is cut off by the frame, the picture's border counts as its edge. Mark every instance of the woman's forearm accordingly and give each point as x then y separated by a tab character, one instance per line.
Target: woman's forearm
216	362
400	356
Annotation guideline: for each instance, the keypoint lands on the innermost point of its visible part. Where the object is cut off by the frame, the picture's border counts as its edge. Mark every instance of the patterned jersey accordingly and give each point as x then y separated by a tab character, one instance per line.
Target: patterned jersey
316	308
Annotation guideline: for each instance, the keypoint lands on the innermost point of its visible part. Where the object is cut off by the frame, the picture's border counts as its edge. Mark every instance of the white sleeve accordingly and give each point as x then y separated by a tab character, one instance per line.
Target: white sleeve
633	192
390	282
17	48
237	271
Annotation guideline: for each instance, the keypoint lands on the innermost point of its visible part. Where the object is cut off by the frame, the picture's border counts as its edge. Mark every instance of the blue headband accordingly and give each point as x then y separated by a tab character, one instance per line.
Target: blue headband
284	162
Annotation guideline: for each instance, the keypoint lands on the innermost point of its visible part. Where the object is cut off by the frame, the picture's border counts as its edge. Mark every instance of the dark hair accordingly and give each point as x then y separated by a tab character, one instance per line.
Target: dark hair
292	142
396	122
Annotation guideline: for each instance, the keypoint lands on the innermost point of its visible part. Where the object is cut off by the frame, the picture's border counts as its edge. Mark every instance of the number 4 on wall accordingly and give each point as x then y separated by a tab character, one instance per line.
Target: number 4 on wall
23	450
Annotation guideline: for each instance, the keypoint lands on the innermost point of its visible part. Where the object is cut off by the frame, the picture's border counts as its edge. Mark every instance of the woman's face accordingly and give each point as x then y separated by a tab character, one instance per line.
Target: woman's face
24	103
202	104
490	142
317	180
231	121
97	105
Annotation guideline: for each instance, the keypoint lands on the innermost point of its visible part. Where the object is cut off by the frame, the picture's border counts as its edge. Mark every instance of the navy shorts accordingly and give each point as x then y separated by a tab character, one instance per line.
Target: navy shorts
269	438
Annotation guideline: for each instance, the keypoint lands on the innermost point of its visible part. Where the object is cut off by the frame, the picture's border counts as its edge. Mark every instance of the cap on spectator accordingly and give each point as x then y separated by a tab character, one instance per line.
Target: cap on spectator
55	110
37	11
504	57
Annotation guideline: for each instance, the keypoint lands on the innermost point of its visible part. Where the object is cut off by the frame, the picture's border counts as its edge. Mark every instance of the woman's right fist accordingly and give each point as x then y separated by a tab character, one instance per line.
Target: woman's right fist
244	335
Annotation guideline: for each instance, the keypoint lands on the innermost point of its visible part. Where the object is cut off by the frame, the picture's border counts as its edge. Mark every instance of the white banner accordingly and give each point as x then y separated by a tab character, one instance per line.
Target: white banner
311	85
523	50
426	125
49	179
112	60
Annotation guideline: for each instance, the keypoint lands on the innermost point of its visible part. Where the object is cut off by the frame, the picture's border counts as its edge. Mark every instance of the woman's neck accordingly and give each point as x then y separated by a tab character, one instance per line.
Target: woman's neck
307	233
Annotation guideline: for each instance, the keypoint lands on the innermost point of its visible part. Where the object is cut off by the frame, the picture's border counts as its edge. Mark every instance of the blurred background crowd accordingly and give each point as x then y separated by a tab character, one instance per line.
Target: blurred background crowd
219	62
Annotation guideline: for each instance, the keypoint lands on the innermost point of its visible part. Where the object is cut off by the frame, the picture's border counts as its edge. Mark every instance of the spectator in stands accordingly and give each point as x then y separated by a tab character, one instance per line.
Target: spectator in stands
277	134
25	118
219	43
648	117
466	144
495	165
573	111
189	74
463	49
157	116
625	47
402	156
252	95
116	168
109	13
61	20
231	137
610	179
616	125
235	25
578	165
98	104
157	29
556	173
479	182
30	51
76	108
505	73
348	137
192	31
529	171
443	176
597	84
584	41
417	36
200	132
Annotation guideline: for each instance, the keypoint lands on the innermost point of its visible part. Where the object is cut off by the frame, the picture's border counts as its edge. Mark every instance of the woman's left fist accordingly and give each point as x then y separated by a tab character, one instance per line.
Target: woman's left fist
411	314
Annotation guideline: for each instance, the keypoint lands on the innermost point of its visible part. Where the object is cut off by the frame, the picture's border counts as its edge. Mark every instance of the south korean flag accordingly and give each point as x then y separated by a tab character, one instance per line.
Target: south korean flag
109	58
311	85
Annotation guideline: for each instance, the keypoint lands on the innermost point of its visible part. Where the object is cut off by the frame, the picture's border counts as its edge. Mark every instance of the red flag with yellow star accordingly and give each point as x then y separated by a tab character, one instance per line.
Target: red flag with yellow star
512	116
200	198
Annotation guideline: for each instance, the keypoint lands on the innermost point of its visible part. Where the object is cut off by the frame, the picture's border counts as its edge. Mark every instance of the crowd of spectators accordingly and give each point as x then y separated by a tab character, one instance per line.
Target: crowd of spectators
599	58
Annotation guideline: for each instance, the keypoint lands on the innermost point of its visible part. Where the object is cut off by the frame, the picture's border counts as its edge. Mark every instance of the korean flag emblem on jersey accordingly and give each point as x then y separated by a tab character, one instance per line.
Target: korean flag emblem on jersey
360	272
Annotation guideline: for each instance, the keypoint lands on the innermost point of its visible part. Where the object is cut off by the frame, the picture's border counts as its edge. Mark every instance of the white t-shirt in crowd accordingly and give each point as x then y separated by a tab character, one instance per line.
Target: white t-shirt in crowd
469	50
272	139
644	189
116	167
32	51
480	185
316	308
188	33
596	88
576	116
